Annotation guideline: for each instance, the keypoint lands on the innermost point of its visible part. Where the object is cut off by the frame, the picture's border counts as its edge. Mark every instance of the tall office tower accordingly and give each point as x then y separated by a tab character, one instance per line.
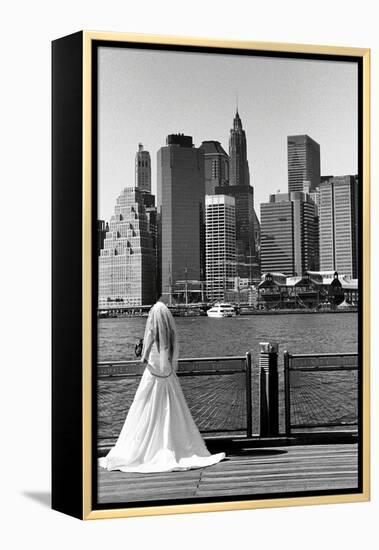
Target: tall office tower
315	197
152	227
247	264
216	166
313	193
289	234
102	229
303	162
181	203
220	239
143	169
338	213
238	164
239	187
151	214
127	261
257	233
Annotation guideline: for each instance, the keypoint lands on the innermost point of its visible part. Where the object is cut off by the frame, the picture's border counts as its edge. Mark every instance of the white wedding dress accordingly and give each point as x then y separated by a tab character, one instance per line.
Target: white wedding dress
159	433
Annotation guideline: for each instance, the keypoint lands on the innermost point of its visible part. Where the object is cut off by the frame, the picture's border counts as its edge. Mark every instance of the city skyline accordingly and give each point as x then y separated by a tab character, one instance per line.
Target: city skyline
183	248
277	98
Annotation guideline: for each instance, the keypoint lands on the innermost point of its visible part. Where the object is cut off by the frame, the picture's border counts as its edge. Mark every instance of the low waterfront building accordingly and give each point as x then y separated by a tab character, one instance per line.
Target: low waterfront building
276	291
350	290
324	280
127	275
313	290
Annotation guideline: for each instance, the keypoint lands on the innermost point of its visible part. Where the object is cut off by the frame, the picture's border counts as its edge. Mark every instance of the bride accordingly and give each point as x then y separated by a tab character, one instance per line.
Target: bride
159	434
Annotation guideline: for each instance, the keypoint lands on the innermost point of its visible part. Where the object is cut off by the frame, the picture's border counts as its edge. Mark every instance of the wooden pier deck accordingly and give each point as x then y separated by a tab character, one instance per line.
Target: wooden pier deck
246	471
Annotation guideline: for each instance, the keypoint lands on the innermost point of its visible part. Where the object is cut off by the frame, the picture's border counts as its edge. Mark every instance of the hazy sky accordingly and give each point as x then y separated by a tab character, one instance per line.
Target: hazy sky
146	95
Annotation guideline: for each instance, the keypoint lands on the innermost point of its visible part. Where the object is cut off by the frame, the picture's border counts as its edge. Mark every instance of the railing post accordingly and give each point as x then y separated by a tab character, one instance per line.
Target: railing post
287	398
249	419
269	389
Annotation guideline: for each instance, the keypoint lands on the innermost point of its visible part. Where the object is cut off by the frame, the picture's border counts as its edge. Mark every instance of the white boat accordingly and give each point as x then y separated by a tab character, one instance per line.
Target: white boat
221	310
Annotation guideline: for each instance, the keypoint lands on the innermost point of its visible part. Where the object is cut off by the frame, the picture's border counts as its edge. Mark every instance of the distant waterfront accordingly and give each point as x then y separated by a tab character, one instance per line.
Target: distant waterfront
205	337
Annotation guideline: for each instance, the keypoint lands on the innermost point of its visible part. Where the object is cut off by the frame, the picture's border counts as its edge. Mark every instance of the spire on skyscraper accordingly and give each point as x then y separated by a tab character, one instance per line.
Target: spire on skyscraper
237	123
239	187
239	168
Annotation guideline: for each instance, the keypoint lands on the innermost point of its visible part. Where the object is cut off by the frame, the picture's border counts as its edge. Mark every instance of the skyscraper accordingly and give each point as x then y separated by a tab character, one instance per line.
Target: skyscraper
338	213
143	169
102	229
314	195
127	261
289	234
239	166
257	233
303	162
220	231
152	227
181	202
216	166
247	261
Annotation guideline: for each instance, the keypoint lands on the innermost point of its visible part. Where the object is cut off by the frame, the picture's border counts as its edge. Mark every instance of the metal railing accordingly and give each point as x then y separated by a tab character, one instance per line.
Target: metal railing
226	395
320	391
205	395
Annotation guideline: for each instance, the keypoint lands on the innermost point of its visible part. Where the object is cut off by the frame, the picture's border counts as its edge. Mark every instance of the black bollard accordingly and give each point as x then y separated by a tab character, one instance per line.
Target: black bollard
269	389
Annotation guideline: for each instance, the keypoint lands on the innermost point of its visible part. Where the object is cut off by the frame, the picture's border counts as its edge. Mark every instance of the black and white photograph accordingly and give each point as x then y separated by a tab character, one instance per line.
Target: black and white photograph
228	296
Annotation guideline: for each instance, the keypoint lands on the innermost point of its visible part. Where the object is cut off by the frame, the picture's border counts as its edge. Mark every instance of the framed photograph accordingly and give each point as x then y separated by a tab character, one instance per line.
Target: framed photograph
210	275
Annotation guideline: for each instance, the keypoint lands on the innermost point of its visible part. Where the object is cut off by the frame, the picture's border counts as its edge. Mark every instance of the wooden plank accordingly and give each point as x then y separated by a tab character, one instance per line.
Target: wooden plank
143	497
152	493
282	464
153	487
300	468
126	477
236	478
345	483
276	476
277	466
286	458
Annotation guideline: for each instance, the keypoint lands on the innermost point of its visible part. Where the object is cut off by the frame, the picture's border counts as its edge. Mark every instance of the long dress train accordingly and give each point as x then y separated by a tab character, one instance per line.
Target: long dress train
159	433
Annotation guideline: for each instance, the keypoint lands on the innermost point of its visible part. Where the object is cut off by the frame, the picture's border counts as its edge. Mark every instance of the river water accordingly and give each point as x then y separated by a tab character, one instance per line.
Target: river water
207	337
